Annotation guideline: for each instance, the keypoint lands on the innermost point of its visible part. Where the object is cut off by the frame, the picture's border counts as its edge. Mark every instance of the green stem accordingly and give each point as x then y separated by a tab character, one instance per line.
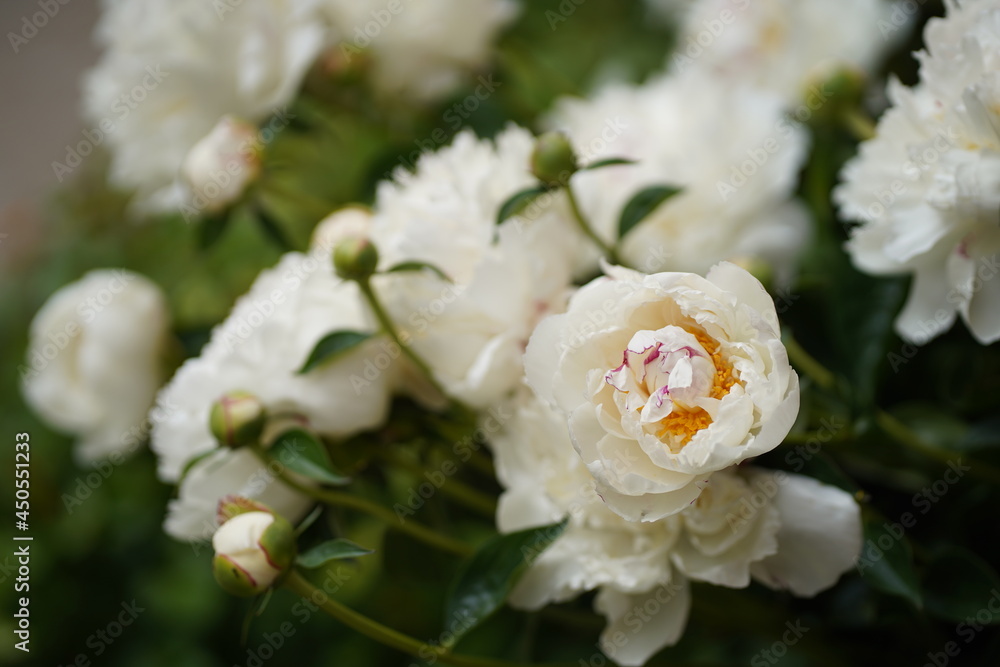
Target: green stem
581	221
383	634
390	329
859	124
383	514
808	364
451	487
892	426
903	434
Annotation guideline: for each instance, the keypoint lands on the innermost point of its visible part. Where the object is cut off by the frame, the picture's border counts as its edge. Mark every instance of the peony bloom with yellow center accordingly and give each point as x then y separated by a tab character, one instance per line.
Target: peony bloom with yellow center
665	379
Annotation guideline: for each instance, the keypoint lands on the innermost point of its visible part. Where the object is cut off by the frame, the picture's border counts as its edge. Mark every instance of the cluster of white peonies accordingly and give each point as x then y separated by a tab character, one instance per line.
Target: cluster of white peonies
173	69
787	47
258	349
926	189
738	170
471	330
97	354
683	378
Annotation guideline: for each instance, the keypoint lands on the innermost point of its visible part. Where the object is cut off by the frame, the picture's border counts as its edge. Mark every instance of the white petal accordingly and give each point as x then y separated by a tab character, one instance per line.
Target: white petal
630	639
819	539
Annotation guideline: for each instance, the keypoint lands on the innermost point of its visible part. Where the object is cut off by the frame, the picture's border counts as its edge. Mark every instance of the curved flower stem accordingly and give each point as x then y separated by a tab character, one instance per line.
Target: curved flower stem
383	514
390	329
574	206
859	124
468	496
383	634
896	429
808	364
906	436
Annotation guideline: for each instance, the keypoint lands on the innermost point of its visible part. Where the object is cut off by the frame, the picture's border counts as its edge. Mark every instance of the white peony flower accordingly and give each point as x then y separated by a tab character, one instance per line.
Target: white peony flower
786	531
95	359
471	332
926	187
788	46
738	172
264	341
172	68
221	165
420	50
665	379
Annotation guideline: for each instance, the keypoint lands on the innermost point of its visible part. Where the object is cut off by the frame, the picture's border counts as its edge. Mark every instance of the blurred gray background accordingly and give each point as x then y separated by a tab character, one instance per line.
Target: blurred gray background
39	111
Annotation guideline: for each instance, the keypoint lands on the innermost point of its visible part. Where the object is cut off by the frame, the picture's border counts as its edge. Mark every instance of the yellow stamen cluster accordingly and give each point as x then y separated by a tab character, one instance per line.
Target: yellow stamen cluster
685	423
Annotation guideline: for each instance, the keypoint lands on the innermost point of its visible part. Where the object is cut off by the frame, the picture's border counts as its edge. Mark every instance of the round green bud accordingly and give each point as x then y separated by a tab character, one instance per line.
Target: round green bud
237	419
553	160
355	258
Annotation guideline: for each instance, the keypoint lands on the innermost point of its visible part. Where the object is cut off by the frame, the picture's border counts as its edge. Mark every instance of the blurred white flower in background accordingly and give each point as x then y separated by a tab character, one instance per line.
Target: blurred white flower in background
786	531
727	145
788	47
222	164
472	332
258	349
172	68
96	356
927	188
665	379
419	49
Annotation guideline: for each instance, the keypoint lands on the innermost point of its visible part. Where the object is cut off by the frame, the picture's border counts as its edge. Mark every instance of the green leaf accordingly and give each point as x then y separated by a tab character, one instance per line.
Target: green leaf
520	201
300	451
487	578
642	204
403	267
959	584
332	346
886	560
608	162
321	554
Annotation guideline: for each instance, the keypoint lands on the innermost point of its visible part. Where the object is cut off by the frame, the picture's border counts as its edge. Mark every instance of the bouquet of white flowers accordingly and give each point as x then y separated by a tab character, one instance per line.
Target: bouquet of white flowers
554	366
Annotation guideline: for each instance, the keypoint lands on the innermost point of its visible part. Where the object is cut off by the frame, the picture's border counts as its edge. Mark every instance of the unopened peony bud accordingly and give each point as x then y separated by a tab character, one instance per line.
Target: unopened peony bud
355	258
252	550
348	222
237	419
553	161
221	165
